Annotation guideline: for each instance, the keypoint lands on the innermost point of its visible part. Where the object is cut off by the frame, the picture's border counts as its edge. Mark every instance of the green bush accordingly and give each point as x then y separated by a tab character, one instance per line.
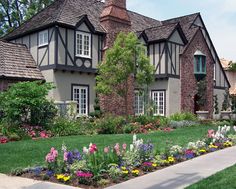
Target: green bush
110	125
65	127
185	116
26	102
145	119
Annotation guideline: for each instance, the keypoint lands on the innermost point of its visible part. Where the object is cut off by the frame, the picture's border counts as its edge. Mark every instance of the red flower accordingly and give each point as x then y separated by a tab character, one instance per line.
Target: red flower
3	140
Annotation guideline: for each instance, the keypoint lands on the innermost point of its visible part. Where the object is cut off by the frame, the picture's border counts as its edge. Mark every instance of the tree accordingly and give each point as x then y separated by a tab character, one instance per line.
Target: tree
127	57
14	12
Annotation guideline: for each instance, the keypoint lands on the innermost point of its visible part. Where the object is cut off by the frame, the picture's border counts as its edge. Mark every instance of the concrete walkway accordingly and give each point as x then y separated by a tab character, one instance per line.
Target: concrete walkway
7	182
173	177
184	174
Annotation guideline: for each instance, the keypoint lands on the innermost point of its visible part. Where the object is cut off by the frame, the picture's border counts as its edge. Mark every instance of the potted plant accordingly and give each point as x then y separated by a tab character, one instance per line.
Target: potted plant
226	106
201	100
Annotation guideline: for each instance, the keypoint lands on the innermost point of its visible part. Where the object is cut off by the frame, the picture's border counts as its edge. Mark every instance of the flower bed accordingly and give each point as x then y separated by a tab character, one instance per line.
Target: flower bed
96	168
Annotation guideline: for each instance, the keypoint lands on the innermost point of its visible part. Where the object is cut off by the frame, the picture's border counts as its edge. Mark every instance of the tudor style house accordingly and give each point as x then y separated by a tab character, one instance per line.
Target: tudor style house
68	39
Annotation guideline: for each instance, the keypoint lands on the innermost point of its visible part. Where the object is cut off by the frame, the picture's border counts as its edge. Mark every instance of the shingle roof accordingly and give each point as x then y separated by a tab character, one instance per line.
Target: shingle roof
185	23
70	12
17	62
160	32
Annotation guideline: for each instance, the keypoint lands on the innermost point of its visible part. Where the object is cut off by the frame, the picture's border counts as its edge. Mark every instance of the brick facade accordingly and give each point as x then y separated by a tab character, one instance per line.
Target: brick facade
115	19
188	80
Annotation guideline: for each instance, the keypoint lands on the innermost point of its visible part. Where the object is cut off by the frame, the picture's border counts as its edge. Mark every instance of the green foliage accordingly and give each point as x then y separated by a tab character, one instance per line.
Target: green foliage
232	66
145	119
216	104
97	110
67	127
183	116
26	102
226	102
201	93
14	12
110	125
127	57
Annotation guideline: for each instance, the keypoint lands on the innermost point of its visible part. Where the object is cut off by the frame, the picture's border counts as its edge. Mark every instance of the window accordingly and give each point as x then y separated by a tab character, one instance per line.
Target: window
83	44
43	38
158	98
199	63
138	102
80	94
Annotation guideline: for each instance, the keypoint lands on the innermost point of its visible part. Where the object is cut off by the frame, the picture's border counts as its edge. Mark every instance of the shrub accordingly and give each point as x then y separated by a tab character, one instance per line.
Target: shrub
184	123
144	119
26	102
65	127
183	116
110	125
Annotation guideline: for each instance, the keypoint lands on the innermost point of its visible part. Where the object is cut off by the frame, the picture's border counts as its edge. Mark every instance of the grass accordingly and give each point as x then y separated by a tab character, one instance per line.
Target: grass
221	180
31	153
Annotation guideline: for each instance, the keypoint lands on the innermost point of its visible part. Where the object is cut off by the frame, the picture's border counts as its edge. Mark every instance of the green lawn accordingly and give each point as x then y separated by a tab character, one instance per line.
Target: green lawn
30	153
225	179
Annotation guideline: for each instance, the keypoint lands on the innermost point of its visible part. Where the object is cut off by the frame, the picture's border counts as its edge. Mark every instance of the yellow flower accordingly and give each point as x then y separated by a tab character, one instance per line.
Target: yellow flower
135	172
212	146
228	144
66	178
154	165
165	161
125	172
202	151
171	159
123	168
60	176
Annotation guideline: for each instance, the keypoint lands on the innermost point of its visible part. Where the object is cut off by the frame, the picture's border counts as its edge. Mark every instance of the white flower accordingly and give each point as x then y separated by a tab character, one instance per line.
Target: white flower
134	138
131	147
85	150
63	147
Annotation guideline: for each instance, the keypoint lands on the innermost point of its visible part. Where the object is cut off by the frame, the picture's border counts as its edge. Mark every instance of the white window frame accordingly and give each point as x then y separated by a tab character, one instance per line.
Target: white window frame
156	98
137	107
43	38
82	54
80	110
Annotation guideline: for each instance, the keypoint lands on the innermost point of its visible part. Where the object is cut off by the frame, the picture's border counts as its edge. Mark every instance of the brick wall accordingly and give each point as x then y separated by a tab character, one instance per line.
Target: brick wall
188	80
115	19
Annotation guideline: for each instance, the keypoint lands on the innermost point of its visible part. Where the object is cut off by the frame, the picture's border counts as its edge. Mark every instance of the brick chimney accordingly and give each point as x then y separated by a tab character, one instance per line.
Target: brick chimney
114	19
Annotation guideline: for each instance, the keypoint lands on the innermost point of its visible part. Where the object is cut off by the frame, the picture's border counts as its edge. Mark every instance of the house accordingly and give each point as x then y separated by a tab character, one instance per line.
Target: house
231	75
68	40
16	64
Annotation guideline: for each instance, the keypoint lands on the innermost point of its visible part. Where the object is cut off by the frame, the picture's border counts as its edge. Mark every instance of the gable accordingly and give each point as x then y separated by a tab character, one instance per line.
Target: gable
198	22
175	37
83	27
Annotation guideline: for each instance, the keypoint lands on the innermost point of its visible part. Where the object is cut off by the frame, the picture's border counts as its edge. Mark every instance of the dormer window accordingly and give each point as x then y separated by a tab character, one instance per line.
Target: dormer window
199	63
83	44
43	38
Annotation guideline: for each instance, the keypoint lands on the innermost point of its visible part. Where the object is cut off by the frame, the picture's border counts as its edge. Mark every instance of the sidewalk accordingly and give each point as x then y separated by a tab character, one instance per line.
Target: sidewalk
173	177
184	174
7	182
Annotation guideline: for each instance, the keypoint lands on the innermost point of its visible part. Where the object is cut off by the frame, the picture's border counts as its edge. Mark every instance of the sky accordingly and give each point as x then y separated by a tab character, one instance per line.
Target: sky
219	17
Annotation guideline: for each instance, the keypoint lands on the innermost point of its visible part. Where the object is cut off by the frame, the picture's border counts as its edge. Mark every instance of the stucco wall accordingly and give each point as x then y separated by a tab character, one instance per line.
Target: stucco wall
64	81
220	95
174	96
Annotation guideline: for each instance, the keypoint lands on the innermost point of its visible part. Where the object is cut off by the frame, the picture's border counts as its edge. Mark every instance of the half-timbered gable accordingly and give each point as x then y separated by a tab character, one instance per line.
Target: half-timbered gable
165	43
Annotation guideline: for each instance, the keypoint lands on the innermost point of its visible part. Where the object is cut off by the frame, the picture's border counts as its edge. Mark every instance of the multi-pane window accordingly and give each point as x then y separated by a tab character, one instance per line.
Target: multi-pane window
83	44
158	98
80	94
43	38
199	64
138	102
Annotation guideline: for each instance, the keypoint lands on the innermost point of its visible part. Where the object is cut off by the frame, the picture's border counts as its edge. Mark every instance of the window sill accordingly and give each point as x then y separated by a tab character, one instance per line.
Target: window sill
81	56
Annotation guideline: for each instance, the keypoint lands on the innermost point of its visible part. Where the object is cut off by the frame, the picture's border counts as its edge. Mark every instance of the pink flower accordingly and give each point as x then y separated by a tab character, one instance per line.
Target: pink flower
43	134
52	155
84	174
92	148
211	133
106	150
124	146
65	156
117	149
